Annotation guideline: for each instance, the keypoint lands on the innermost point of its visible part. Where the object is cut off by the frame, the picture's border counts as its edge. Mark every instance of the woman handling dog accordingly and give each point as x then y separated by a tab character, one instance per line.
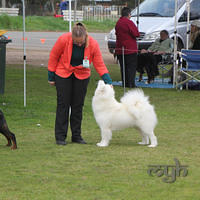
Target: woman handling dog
69	70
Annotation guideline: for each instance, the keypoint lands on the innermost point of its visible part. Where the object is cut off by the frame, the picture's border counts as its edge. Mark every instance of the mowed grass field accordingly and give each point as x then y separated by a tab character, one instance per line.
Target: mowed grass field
50	23
41	170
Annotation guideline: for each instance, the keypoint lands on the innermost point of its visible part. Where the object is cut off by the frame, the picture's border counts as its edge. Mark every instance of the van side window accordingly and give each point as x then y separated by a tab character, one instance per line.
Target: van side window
194	11
183	17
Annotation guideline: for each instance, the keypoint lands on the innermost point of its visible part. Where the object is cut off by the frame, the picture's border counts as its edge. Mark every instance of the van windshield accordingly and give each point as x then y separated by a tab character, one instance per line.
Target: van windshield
157	8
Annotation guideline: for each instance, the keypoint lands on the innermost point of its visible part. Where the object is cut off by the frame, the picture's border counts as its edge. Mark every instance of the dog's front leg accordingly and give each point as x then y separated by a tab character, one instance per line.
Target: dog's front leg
13	138
10	137
106	135
145	139
9	141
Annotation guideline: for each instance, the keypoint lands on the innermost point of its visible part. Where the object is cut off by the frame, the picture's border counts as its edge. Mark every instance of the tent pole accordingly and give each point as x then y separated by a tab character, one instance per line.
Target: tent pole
70	16
188	23
3	2
75	8
24	58
188	28
175	46
138	3
124	75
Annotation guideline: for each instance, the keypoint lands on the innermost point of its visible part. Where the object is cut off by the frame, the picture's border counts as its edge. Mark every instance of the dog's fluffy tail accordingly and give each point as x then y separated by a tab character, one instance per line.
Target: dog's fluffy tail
137	103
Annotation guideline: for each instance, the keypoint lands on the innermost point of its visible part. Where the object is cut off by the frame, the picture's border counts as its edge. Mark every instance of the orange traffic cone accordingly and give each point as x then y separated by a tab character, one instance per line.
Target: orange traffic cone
42	40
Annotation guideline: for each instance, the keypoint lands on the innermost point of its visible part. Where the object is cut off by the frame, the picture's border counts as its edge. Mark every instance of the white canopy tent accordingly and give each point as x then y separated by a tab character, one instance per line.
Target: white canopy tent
175	33
138	2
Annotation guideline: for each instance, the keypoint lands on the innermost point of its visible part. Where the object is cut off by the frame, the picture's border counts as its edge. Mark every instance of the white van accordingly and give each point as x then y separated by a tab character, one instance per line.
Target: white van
157	15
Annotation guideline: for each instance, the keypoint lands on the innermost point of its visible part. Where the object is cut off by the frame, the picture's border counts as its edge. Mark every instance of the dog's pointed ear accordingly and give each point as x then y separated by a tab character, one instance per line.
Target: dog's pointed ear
101	83
101	86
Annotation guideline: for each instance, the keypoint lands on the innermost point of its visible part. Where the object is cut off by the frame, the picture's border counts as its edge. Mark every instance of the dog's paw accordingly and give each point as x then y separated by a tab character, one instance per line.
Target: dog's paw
143	143
152	145
13	147
101	144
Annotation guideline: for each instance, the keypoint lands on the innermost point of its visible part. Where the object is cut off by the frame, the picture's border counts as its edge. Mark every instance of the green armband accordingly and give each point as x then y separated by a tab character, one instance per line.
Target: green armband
106	78
51	76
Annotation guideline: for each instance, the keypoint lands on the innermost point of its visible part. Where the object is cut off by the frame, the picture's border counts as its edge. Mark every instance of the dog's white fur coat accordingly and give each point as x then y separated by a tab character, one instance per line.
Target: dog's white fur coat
133	110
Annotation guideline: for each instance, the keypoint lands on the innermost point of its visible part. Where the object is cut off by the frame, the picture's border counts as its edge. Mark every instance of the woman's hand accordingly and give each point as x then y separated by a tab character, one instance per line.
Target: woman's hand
143	51
52	83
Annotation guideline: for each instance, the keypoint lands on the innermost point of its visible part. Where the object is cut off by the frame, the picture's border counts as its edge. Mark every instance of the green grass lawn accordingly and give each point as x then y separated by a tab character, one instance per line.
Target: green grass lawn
39	169
50	23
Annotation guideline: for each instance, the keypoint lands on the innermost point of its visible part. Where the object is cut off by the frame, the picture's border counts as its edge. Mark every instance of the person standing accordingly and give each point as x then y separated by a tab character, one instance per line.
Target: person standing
126	34
69	70
63	6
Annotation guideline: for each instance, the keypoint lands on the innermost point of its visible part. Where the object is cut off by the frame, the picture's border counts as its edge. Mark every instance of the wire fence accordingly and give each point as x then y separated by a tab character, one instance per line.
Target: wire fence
90	12
101	13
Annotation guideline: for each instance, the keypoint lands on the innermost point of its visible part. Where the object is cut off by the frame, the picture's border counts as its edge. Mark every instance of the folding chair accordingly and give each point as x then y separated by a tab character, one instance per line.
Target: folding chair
163	66
191	72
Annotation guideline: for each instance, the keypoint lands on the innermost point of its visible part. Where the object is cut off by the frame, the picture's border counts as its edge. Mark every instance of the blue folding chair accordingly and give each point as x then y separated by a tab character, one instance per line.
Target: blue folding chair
190	72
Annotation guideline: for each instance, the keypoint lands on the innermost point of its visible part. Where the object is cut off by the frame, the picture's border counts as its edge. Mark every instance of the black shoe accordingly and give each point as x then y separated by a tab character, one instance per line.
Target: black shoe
59	142
79	140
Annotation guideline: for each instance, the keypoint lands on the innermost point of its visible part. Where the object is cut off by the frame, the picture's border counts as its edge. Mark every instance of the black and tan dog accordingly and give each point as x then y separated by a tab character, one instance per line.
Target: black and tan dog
6	132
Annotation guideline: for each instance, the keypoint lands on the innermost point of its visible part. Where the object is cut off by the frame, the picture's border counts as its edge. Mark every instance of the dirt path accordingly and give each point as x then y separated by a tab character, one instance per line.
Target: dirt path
40	57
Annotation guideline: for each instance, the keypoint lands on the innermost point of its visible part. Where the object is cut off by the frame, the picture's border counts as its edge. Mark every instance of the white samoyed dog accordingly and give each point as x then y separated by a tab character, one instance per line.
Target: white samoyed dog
133	110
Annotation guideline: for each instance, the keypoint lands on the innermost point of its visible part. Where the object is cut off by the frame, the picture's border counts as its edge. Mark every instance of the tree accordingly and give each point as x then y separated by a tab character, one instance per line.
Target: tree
3	3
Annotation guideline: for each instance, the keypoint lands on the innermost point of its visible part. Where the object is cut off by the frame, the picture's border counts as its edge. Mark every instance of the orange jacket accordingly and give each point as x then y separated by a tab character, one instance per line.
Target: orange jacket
60	57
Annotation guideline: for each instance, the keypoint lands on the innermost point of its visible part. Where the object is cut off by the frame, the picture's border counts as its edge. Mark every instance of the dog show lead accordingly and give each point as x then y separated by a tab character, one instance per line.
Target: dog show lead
69	70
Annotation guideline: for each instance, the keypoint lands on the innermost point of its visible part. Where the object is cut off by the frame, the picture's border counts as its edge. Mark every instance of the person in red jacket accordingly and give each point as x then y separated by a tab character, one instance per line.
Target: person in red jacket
69	70
126	33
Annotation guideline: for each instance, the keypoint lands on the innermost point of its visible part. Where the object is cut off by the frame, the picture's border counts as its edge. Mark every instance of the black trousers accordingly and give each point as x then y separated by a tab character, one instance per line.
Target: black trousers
130	63
70	94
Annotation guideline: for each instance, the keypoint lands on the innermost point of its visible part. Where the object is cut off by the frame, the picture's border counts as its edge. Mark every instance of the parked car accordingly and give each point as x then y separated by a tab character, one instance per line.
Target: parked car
156	15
